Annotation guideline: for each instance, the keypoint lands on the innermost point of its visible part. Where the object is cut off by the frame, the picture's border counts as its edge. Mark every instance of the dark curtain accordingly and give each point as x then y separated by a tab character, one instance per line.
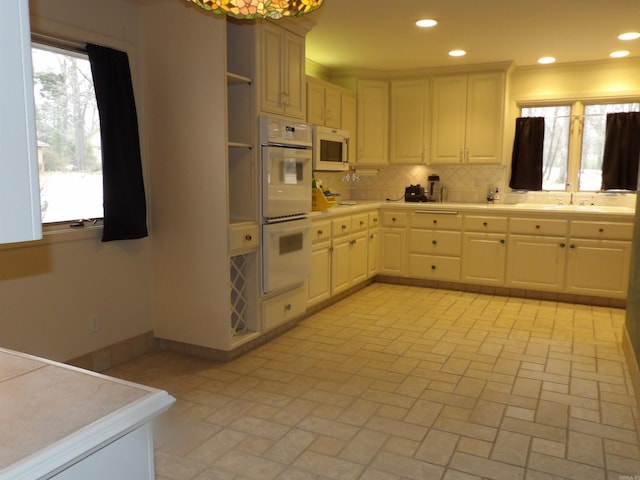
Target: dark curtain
528	149
621	151
125	210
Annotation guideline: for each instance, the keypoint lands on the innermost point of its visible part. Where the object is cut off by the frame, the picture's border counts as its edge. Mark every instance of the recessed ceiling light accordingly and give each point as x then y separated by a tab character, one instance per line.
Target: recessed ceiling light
629	36
619	54
546	60
427	23
457	53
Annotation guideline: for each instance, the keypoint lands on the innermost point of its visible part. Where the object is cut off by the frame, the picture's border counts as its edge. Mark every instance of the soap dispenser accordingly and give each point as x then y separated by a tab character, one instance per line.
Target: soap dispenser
490	195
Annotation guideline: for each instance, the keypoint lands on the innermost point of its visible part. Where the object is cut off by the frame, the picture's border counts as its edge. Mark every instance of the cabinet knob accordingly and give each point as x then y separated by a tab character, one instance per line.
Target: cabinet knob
502	241
435	221
361	222
562	245
538	227
375	220
484	224
393	219
320	232
287	307
372	236
344	227
248	238
571	245
601	230
434	242
433	267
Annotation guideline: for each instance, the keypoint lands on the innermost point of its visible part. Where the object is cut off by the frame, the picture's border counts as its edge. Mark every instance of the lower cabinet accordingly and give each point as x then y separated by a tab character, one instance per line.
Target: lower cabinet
287	306
349	261
393	242
373	253
319	282
536	263
484	249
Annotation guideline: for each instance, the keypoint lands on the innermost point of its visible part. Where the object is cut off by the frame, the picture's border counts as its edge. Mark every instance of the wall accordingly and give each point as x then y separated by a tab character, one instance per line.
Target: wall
49	289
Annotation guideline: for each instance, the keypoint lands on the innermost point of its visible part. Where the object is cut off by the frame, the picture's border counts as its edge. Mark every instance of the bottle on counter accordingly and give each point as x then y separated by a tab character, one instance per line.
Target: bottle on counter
490	195
496	196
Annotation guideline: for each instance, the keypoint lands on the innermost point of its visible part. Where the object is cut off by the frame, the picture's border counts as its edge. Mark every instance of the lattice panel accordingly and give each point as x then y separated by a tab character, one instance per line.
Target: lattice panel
238	289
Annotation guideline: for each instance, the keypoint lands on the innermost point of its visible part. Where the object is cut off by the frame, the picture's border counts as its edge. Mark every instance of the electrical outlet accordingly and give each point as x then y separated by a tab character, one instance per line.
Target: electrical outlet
94	323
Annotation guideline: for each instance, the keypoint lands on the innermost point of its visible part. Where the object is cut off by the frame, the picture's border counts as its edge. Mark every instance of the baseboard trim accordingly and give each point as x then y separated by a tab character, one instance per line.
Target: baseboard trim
113	355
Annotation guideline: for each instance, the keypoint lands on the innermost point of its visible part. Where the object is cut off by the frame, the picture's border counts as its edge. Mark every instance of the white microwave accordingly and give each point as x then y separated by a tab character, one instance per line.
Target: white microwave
330	149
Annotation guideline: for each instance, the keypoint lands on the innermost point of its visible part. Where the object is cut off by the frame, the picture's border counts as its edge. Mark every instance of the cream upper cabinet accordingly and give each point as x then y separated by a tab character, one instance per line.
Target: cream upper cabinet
281	72
467	118
373	122
324	104
409	126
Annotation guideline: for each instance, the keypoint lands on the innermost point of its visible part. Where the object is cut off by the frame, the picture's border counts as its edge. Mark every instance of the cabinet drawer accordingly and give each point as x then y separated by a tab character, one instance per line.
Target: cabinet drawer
489	224
394	219
320	231
608	230
434	267
341	226
374	219
243	237
539	226
359	222
285	307
435	242
429	219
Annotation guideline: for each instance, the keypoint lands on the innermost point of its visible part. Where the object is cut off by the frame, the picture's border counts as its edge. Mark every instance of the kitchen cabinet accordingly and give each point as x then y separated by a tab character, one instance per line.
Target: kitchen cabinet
324	104
467	117
435	245
373	122
373	252
319	283
393	240
349	262
484	249
348	120
536	255
281	79
409	125
19	186
599	258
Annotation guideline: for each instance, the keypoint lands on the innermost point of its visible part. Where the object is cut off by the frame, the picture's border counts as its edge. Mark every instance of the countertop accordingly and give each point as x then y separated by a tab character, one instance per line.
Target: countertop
51	413
574	211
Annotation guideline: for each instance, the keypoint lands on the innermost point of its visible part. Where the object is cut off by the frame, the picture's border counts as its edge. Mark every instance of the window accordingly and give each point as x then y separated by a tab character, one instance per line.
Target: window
569	158
68	131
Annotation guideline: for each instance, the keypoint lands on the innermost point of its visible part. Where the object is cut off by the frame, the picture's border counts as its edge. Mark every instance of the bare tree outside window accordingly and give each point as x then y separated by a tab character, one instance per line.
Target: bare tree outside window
68	130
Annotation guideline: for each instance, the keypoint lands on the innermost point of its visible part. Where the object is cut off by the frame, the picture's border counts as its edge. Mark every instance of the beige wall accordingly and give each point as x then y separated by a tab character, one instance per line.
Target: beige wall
49	289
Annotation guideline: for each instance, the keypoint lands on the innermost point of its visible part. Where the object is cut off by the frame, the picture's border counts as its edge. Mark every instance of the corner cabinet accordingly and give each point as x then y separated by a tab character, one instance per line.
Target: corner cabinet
281	77
409	132
373	122
467	117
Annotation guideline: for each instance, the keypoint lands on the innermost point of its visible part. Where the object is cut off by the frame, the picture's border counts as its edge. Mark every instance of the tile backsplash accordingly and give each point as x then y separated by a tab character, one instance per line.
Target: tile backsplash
464	183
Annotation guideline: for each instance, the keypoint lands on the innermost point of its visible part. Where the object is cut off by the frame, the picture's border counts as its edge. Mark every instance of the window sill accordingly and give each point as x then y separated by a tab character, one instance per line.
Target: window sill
59	234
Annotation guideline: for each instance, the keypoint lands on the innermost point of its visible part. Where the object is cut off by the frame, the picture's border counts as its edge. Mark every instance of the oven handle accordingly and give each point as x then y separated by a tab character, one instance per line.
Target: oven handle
289	230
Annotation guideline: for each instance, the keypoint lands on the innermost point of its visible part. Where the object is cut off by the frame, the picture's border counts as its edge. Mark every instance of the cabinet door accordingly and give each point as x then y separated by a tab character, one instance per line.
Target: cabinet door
598	267
434	267
320	280
373	122
340	266
537	263
409	119
483	258
315	103
332	110
271	95
348	122
449	108
394	252
293	75
373	253
358	259
485	111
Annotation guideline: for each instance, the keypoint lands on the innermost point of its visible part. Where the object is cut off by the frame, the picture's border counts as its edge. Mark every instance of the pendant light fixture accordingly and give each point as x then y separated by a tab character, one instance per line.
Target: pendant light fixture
249	9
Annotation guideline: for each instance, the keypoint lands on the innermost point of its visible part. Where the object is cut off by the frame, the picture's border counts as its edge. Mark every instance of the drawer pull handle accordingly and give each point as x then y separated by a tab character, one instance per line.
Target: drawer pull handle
484	224
433	267
435	221
502	241
571	245
287	307
538	227
248	238
562	245
601	230
434	242
320	232
375	220
344	227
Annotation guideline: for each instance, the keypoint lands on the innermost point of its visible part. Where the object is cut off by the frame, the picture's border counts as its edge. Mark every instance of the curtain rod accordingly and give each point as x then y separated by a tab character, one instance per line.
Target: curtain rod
584	115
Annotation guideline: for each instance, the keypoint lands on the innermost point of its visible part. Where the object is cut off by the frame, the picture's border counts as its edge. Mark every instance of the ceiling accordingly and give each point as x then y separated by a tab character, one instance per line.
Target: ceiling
381	35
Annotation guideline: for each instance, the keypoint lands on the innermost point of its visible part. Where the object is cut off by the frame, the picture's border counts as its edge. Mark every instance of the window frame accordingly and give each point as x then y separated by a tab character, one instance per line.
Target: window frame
574	154
78	50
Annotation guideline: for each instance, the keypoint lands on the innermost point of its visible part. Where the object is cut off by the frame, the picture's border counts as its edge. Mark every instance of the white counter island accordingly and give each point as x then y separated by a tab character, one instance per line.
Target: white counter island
66	423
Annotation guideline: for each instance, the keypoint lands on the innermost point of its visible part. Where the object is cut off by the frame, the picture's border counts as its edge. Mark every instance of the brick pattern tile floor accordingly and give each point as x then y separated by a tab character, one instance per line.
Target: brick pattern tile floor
399	382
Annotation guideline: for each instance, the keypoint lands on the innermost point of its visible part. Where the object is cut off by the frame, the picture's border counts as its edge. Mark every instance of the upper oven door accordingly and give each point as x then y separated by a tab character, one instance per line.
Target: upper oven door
286	181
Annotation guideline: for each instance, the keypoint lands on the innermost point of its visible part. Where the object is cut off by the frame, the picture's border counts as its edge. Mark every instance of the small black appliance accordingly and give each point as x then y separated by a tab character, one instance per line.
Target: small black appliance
414	193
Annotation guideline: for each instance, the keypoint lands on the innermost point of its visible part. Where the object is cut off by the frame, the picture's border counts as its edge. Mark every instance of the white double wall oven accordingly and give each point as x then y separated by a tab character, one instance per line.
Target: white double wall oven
286	157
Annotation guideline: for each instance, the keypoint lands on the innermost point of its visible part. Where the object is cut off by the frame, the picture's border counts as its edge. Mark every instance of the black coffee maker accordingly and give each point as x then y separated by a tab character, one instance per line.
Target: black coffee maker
414	193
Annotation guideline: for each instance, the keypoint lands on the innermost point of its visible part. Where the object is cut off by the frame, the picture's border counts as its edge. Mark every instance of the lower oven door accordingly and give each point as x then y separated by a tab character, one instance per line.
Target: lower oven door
286	254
